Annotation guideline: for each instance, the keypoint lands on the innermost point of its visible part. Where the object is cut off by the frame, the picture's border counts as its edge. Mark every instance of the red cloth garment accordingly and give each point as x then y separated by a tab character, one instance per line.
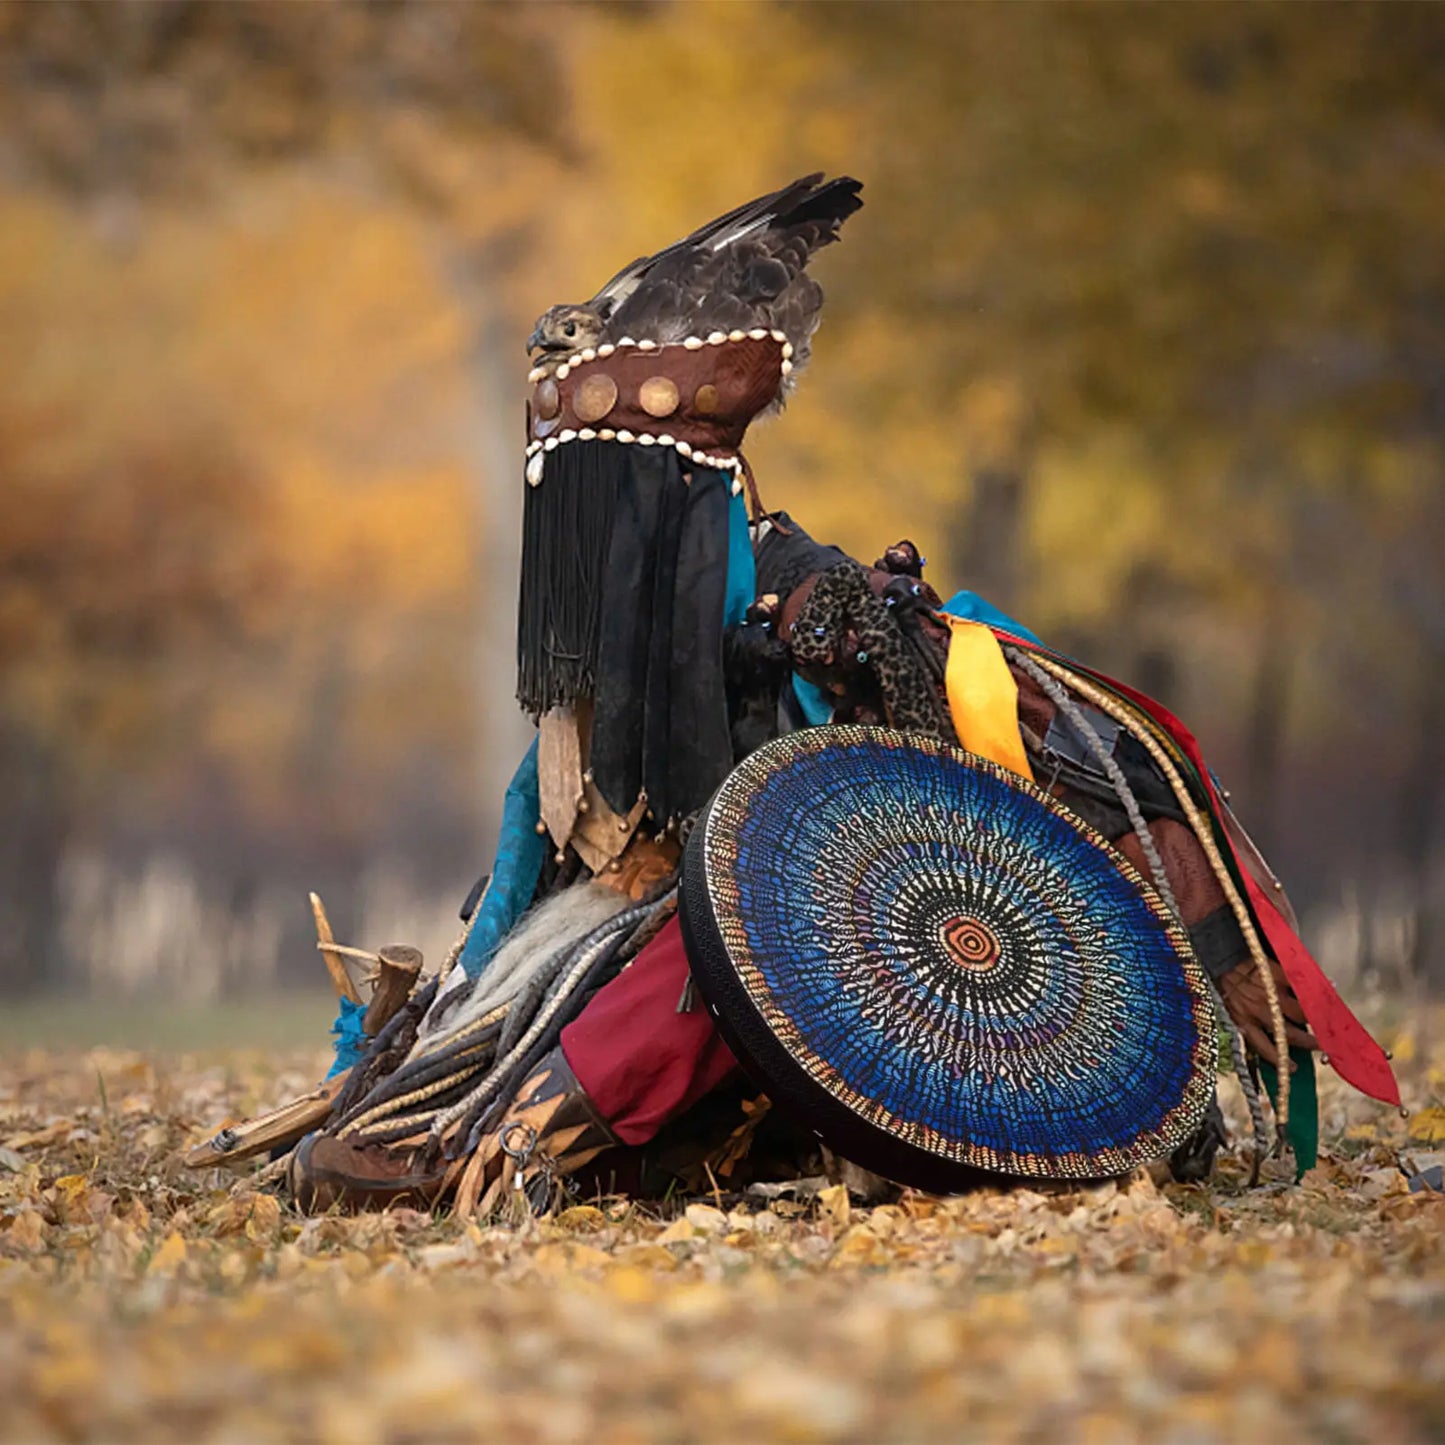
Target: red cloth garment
1356	1057
642	1062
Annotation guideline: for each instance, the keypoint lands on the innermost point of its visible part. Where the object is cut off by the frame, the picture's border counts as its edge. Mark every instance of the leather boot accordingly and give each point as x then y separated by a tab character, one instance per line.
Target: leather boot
328	1173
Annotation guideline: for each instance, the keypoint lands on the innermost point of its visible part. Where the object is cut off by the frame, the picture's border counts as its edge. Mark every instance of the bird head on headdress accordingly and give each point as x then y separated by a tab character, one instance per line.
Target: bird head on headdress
566	329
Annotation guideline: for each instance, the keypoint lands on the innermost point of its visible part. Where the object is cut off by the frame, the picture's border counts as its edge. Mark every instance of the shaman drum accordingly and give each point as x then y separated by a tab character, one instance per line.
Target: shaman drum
939	968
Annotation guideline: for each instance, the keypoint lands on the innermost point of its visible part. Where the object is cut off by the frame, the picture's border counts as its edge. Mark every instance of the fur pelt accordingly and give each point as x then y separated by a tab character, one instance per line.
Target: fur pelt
542	933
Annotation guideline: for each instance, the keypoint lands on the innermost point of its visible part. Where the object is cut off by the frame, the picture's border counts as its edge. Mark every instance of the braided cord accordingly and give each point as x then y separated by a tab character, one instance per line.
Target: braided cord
585	956
398	1106
424	1078
1203	831
1059	695
417	1123
458	1070
455	951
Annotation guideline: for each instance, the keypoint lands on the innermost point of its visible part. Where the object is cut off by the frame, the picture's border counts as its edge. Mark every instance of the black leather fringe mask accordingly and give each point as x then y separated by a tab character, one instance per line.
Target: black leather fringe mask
624	578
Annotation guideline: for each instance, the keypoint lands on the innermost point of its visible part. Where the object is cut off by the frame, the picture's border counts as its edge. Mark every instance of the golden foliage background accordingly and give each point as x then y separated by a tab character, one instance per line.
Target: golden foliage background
1141	334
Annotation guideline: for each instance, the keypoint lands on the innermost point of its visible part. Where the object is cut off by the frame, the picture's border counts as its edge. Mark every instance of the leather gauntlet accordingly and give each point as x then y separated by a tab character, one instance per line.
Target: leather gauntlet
550	1129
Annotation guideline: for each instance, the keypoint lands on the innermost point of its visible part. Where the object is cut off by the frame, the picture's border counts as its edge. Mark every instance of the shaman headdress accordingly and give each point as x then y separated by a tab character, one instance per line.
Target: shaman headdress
635	528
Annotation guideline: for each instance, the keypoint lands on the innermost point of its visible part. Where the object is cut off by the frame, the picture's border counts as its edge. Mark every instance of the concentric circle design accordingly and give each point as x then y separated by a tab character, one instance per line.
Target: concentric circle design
941	968
971	943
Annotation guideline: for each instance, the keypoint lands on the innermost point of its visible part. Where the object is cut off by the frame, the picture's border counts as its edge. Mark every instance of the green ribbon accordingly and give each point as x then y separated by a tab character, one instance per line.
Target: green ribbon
1303	1129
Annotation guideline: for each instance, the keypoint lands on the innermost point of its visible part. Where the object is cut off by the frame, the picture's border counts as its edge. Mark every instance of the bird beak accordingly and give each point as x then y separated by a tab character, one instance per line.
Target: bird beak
534	341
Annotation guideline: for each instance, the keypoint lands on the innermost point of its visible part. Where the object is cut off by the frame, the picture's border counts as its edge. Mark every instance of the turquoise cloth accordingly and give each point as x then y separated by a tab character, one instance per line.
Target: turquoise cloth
520	851
973	608
742	581
816	704
350	1040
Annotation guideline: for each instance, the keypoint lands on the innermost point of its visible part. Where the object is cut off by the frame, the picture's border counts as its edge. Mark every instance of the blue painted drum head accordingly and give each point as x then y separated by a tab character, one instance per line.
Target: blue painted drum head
939	968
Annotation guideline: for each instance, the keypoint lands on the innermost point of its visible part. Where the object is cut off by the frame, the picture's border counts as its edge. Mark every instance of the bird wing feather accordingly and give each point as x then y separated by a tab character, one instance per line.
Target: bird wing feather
716	233
743	269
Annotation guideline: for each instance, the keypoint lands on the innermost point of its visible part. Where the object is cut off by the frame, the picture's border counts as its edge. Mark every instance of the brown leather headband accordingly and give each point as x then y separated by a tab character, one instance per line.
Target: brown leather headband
698	396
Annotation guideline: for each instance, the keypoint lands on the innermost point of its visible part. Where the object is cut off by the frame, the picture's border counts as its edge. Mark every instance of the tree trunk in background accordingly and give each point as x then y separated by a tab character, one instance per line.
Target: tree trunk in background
495	439
1264	737
1419	803
32	848
1147	625
1158	675
989	540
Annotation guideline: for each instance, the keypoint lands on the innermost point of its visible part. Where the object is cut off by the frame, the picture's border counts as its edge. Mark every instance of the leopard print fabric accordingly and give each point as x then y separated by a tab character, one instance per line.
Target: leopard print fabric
845	633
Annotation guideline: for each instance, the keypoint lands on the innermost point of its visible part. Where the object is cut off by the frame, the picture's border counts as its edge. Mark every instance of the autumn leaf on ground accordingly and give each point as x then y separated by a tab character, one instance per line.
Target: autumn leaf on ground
146	1301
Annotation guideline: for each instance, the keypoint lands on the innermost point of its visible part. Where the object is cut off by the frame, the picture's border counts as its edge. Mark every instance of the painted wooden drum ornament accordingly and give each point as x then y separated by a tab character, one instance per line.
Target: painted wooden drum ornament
939	968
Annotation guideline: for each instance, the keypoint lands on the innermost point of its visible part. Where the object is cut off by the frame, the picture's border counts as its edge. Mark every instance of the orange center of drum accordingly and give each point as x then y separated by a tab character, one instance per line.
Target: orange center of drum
971	944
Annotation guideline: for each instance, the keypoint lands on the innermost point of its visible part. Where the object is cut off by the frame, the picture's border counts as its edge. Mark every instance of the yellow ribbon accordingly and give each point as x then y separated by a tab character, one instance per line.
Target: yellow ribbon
983	697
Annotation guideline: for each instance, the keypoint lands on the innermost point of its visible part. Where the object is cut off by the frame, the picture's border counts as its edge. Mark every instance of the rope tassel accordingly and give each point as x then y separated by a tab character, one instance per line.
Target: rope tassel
1203	831
1056	691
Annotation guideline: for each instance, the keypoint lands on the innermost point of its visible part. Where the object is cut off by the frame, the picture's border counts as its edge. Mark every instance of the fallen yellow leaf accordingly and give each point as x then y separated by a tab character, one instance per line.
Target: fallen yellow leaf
646	1256
860	1246
263	1219
680	1231
1428	1125
706	1219
835	1206
581	1219
635	1285
567	1257
27	1231
169	1256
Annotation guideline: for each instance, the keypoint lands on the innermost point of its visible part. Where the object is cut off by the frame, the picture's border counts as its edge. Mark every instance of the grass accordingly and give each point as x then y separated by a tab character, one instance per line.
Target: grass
281	1021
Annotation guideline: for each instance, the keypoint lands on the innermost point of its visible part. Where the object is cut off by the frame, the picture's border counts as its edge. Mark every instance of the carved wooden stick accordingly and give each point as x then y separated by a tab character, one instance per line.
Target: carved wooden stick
280	1128
334	966
400	966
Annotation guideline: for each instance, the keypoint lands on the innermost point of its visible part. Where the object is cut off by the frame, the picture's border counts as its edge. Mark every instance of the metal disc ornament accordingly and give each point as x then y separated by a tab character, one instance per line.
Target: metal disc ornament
940	968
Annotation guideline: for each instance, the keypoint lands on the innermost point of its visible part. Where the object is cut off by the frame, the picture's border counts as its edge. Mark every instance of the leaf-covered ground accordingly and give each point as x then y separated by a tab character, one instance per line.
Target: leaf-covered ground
142	1302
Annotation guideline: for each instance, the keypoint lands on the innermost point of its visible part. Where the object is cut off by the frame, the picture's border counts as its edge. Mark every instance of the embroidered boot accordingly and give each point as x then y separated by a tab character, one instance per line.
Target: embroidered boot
550	1129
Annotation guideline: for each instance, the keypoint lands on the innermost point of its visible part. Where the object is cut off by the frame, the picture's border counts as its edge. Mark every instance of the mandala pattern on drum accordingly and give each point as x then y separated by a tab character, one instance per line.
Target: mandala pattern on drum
954	957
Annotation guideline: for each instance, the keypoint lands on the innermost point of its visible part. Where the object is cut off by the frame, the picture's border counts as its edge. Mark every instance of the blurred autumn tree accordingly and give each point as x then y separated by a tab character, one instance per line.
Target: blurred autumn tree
1212	264
1142	333
1186	268
159	555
